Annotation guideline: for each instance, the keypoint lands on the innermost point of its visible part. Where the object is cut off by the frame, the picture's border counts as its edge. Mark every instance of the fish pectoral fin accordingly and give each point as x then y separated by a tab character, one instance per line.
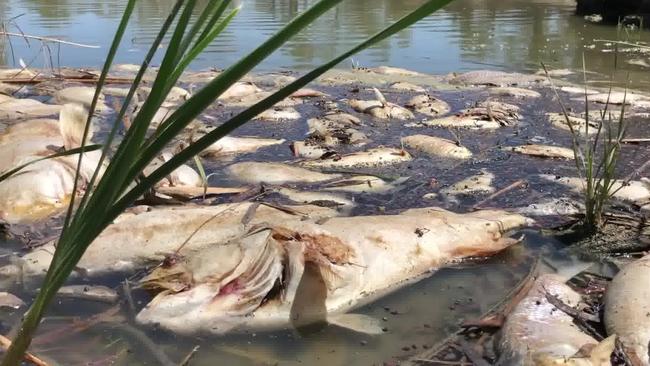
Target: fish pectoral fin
357	322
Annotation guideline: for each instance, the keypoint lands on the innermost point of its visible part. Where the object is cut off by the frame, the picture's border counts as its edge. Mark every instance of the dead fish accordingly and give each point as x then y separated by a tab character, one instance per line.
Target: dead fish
373	157
554	207
389	70
404	86
514	92
578	90
428	105
80	95
477	184
617	98
176	96
308	149
633	191
579	124
342	118
134	241
260	280
364	184
316	198
43	188
183	176
627	305
496	78
544	151
308	93
329	132
436	146
8	300
29	138
240	89
233	145
485	115
279	114
15	108
86	292
274	173
381	108
538	331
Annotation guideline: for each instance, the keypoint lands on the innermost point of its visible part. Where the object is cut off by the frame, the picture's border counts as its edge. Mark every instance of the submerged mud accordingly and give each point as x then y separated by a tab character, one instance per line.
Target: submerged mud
404	176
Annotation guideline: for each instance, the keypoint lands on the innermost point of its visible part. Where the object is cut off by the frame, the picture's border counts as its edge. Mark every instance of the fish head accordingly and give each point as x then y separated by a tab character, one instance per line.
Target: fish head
249	283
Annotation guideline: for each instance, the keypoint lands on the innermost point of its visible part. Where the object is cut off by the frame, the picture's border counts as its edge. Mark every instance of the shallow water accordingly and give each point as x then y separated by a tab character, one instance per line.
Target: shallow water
467	34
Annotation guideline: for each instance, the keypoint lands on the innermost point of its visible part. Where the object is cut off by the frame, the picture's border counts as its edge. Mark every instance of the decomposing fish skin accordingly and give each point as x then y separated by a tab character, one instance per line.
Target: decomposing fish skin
536	330
137	240
544	151
260	280
373	157
274	173
436	146
627	305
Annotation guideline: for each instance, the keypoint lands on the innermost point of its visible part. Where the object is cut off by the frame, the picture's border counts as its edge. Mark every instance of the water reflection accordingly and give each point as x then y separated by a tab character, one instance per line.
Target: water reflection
468	34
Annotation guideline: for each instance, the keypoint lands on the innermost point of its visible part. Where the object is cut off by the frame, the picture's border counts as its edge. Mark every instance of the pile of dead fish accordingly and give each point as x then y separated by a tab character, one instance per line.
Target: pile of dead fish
243	266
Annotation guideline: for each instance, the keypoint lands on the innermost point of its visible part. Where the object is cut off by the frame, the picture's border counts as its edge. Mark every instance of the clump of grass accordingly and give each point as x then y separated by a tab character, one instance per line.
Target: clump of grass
596	157
123	181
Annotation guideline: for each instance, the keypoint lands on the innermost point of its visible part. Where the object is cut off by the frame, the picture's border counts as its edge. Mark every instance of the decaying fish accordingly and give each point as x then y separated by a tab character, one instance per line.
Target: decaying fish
364	184
240	89
373	157
436	146
300	273
544	151
578	124
486	115
316	198
389	70
381	108
515	92
333	130
536	332
233	145
428	105
137	240
634	191
279	114
308	149
477	184
404	86
184	175
618	98
627	305
43	188
496	78
16	108
80	95
274	173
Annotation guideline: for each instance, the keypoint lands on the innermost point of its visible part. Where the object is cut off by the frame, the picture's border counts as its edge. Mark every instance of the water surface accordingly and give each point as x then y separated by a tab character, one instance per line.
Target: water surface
466	35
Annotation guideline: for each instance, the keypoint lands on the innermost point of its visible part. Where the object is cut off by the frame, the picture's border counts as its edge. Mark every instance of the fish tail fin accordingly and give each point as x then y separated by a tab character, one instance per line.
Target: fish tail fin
72	123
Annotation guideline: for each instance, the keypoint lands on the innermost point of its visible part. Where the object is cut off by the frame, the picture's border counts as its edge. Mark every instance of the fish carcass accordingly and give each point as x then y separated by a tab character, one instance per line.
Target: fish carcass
302	272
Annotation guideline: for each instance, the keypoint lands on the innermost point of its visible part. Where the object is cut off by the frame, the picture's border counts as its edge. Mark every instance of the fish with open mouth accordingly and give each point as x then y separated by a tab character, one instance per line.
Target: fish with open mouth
310	273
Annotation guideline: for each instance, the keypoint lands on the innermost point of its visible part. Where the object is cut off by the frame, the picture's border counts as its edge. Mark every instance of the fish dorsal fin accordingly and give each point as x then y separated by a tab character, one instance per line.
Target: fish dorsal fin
380	97
72	123
357	322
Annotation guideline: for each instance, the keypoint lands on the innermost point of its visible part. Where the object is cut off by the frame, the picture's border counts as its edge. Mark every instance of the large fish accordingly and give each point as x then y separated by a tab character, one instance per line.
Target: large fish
307	272
627	308
136	240
43	188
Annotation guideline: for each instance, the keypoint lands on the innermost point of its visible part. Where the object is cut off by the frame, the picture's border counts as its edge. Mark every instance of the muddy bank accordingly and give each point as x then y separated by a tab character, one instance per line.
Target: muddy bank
368	143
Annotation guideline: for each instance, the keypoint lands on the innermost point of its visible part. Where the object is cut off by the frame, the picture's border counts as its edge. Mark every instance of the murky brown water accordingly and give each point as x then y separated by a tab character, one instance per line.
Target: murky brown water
467	34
